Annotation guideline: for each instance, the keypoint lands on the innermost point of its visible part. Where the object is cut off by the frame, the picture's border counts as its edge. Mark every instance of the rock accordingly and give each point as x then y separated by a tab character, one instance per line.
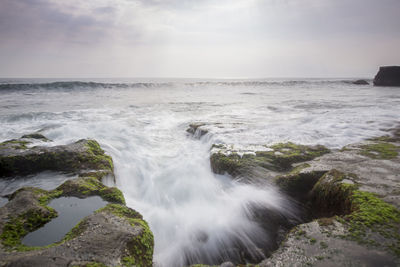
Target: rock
196	130
388	76
365	234
90	186
227	264
321	243
112	236
278	158
84	155
358	205
352	194
35	136
360	82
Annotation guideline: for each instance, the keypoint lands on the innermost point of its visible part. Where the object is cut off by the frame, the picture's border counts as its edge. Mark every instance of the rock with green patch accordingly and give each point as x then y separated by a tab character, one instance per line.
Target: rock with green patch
84	155
25	212
374	165
113	236
356	228
279	158
322	245
89	186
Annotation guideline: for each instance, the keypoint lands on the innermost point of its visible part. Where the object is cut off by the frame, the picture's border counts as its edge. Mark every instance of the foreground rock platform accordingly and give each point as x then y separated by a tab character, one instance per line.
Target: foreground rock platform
352	197
112	236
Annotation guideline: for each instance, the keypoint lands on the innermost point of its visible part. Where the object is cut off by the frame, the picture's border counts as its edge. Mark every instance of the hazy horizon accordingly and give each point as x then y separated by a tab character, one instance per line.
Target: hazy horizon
248	39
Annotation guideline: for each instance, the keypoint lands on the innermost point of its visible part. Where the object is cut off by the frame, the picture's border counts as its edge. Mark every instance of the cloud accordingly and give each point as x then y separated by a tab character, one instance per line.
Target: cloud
196	38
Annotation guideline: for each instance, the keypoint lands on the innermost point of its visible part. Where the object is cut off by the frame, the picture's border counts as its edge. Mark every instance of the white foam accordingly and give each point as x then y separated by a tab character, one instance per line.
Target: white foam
165	174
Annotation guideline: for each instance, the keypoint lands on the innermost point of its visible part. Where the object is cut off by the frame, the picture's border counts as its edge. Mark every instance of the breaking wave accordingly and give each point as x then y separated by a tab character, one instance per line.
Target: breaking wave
66	85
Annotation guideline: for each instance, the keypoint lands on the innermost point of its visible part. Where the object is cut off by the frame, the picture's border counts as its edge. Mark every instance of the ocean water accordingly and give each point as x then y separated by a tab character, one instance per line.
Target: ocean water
165	173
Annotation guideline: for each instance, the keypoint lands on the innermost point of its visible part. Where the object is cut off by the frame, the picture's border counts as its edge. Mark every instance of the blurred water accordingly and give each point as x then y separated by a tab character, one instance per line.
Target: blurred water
165	174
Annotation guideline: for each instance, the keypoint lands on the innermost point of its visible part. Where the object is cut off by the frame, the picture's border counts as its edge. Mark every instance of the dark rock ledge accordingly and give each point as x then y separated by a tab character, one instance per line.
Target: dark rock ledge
112	236
351	197
197	129
388	76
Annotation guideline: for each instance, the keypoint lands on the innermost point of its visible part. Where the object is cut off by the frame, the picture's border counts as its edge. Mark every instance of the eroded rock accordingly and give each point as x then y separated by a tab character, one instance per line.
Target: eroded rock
112	236
17	159
353	194
278	158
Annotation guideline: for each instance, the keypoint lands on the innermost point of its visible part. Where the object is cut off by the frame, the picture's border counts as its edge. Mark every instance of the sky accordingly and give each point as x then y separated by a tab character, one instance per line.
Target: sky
198	38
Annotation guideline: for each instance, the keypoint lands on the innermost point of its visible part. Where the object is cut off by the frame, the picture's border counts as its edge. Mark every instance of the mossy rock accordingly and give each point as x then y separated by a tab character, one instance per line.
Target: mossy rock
14	144
380	150
17	159
112	236
28	212
298	184
140	249
36	136
89	186
278	157
370	220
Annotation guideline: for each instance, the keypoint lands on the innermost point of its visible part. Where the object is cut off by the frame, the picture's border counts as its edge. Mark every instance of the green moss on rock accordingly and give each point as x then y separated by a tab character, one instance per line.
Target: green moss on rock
76	157
17	227
97	155
298	184
370	220
90	186
381	150
16	144
279	158
140	249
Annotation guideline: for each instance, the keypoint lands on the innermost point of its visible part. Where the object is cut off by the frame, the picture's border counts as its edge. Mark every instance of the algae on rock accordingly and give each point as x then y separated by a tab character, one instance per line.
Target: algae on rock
112	236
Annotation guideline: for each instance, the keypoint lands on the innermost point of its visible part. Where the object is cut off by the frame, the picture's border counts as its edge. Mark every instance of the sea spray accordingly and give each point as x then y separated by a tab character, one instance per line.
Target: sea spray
165	174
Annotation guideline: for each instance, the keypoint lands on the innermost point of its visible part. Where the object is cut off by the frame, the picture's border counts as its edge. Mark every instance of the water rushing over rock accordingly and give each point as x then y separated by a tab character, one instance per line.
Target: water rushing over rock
195	215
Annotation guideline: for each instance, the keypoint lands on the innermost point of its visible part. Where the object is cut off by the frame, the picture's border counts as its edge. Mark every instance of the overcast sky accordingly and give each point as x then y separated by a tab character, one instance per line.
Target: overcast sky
198	38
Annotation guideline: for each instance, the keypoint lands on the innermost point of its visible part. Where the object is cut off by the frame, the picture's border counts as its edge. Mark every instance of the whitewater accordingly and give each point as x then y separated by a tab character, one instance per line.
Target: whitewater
165	173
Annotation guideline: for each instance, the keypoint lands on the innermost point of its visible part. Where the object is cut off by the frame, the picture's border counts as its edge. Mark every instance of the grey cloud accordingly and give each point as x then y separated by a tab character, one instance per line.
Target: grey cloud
325	18
43	21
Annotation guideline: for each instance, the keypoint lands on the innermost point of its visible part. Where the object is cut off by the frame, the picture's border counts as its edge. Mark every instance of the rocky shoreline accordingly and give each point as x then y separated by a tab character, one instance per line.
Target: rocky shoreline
349	198
114	235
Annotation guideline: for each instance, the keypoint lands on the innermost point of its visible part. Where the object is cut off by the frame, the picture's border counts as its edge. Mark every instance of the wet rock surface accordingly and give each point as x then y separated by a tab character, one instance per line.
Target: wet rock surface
111	236
16	158
351	197
277	158
197	129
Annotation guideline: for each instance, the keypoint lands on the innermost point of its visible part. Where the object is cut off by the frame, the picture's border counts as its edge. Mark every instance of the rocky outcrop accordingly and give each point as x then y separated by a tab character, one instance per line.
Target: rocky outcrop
112	236
388	76
196	130
16	158
277	158
352	198
360	82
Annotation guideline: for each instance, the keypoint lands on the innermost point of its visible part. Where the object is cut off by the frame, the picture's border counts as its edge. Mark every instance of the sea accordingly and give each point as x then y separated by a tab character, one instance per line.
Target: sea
164	171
